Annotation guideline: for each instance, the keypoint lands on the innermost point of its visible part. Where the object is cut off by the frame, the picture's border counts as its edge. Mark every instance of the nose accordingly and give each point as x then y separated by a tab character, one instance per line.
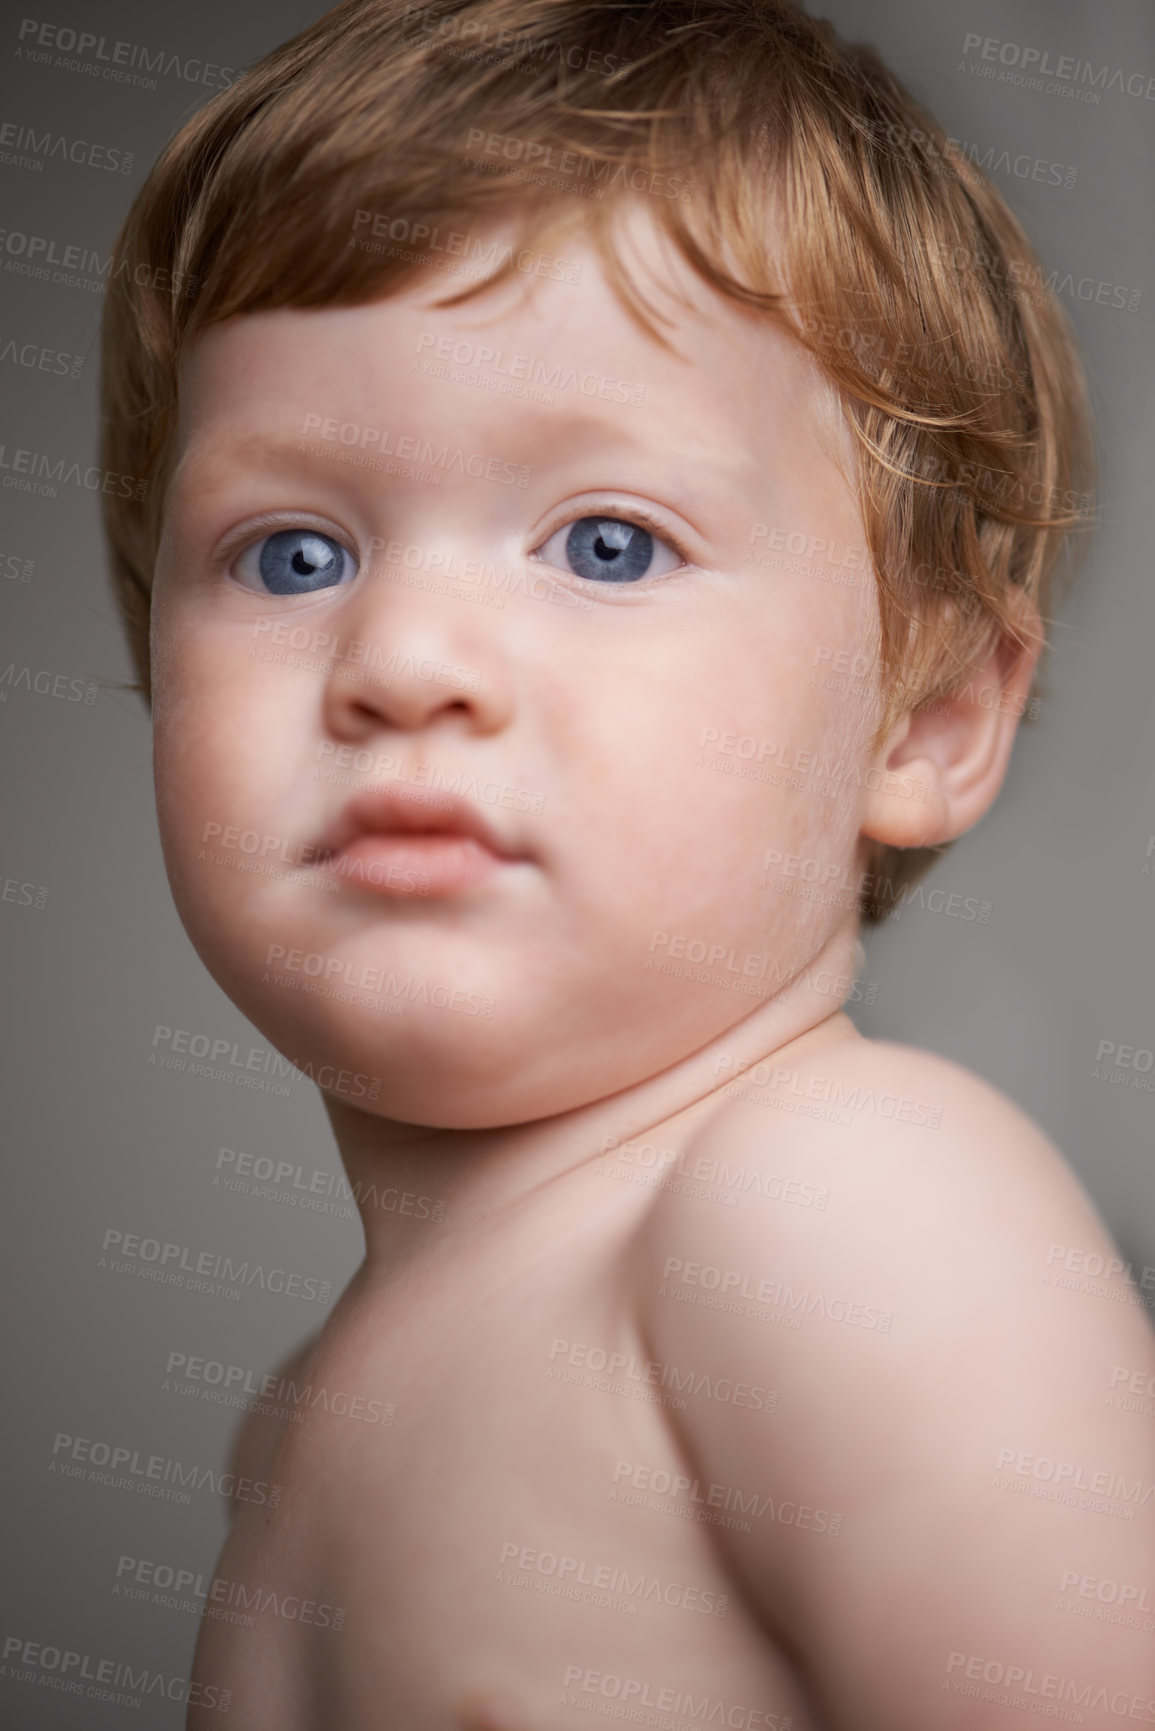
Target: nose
416	653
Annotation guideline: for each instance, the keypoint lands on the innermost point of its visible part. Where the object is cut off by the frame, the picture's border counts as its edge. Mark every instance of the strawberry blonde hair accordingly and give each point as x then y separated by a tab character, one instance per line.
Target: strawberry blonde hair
894	262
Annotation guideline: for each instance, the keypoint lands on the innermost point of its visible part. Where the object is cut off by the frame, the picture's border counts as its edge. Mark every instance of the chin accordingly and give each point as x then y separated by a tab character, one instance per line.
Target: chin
449	1068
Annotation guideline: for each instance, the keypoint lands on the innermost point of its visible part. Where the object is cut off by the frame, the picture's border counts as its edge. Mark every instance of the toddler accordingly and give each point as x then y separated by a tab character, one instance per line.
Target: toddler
607	468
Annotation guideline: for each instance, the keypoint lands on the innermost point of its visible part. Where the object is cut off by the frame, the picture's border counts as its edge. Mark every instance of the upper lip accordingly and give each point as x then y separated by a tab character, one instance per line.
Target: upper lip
401	809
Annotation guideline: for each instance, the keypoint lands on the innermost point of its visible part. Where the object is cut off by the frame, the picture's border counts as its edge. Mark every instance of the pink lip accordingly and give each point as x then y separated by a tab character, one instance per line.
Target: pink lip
397	843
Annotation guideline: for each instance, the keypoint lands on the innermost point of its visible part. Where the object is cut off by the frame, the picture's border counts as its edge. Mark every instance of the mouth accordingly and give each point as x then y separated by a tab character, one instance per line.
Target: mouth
405	841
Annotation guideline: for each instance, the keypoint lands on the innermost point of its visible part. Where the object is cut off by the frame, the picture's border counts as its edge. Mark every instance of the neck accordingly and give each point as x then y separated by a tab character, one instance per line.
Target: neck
406	1178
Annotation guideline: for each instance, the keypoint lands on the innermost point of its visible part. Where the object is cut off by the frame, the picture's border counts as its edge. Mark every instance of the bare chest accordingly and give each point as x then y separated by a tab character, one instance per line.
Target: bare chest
484	1501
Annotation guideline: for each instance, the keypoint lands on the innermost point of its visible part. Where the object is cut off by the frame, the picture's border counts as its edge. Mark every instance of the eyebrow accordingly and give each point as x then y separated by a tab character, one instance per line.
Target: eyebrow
275	448
303	450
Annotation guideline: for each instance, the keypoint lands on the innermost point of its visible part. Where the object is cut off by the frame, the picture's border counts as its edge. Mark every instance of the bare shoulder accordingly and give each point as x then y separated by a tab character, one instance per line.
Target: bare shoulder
880	1243
899	1181
870	1147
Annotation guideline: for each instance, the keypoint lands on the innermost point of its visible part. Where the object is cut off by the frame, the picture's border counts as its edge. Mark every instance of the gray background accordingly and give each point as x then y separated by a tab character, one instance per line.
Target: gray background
99	1139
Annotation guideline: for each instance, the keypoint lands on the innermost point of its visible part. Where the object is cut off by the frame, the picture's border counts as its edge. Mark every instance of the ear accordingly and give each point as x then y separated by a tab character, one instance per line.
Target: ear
940	768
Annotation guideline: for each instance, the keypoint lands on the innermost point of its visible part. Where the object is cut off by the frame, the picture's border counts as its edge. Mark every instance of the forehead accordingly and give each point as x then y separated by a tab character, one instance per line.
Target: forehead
554	345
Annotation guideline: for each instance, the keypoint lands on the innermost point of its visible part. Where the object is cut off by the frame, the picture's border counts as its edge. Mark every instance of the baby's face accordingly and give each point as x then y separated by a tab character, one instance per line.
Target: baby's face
425	569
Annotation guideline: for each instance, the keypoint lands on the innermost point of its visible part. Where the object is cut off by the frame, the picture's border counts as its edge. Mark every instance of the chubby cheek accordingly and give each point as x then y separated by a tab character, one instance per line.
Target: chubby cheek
231	753
652	902
696	782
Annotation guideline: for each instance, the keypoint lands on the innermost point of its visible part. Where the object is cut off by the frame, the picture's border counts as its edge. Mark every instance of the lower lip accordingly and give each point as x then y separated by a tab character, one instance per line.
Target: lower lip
413	865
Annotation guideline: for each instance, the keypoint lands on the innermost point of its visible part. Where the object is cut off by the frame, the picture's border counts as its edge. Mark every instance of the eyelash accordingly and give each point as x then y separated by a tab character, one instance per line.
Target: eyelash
634	514
235	545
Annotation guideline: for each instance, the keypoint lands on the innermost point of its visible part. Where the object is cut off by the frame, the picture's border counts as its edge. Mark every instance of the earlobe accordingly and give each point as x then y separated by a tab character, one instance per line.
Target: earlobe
941	767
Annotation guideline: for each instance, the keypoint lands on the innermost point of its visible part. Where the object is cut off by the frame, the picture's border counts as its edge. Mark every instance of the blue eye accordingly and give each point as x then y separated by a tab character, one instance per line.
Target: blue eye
609	550
295	562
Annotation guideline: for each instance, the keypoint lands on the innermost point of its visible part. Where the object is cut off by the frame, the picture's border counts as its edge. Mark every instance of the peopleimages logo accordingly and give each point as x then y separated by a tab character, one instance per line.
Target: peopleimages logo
965	1671
579	1684
1068	74
106	1679
222	1059
39	42
21	466
123	1468
128	1252
16	137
